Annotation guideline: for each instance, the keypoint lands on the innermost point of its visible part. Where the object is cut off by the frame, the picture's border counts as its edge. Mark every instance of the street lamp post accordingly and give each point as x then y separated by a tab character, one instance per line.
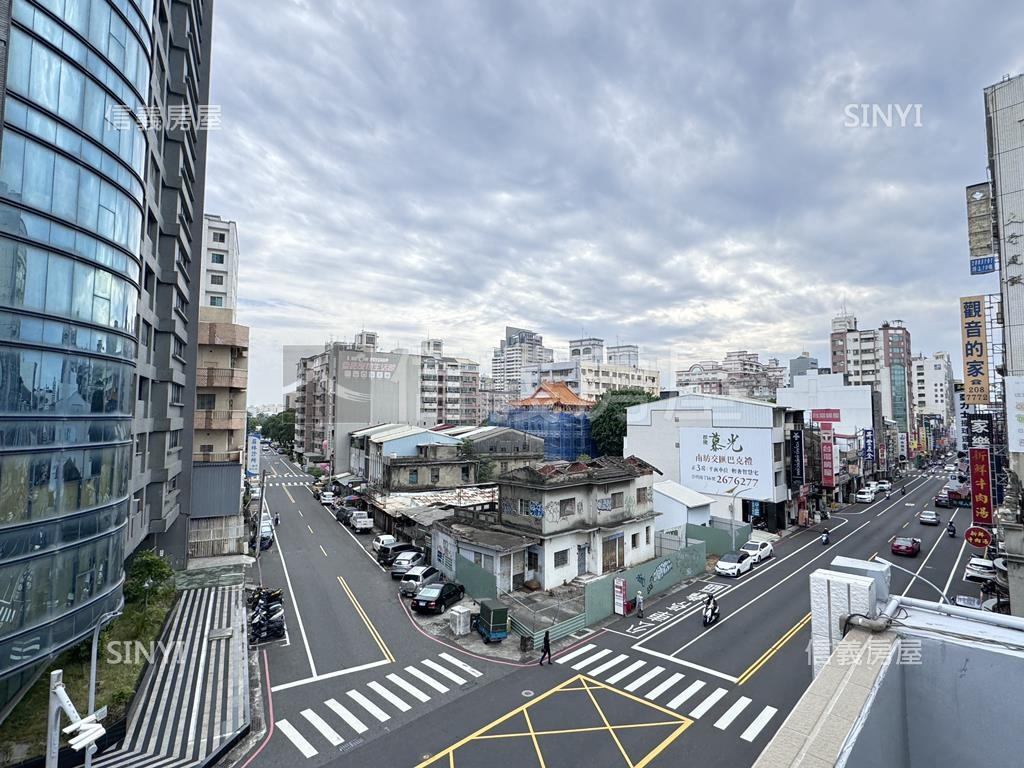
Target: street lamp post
915	575
92	671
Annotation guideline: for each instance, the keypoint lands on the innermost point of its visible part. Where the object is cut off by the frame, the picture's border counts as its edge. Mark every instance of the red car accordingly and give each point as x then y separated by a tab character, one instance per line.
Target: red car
904	545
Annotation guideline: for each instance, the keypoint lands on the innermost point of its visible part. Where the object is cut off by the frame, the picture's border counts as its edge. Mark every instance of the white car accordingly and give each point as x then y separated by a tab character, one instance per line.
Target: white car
865	496
979	569
326	498
884	485
381	540
734	563
759	550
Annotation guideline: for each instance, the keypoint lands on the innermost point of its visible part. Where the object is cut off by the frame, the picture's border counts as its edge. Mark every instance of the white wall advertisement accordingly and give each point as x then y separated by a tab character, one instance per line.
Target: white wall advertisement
727	461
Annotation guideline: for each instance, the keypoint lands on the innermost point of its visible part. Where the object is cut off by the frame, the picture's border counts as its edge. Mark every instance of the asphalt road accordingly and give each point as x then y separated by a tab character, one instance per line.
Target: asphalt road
665	692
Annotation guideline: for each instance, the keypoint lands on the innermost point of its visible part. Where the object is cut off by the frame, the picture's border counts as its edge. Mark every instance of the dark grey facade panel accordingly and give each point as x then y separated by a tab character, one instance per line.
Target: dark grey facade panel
216	489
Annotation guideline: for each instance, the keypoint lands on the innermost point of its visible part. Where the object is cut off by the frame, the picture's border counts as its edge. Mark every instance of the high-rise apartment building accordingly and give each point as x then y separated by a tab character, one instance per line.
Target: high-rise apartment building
216	525
879	357
799	366
449	387
519	347
587	375
740	374
933	386
100	225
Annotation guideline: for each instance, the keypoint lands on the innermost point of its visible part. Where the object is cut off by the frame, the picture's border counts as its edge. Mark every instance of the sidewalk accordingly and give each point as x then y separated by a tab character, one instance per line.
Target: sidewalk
194	701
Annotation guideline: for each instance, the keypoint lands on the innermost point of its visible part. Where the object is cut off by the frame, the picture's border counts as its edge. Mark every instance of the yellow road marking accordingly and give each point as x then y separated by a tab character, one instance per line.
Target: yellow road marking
323	550
292	500
310	529
366	620
753	668
533	736
573	730
600	712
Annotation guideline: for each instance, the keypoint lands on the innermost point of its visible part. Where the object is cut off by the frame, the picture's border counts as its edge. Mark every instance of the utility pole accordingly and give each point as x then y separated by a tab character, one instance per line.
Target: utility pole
92	671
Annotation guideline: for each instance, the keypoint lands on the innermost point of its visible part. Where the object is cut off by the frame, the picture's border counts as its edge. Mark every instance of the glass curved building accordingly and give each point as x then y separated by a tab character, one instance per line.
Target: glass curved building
72	179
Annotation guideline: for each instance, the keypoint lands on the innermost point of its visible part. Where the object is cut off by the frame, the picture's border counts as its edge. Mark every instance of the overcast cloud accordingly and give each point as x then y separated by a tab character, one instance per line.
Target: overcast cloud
675	175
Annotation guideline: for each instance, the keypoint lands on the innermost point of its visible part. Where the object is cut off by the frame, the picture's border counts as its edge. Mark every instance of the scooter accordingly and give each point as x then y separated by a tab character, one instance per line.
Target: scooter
825	539
263	593
270	614
710	613
269	632
951	530
759	524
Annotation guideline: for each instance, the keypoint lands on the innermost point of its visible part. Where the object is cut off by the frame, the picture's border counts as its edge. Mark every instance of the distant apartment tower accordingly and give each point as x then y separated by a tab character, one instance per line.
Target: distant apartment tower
933	386
519	347
740	374
588	376
449	387
624	354
880	357
590	350
799	366
216	525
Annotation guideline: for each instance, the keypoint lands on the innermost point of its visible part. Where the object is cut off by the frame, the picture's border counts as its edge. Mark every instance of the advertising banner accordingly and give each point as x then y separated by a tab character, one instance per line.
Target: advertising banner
975	349
869	446
824	415
730	461
979	222
962	409
981	487
252	455
796	458
828	468
1015	413
979	430
903	446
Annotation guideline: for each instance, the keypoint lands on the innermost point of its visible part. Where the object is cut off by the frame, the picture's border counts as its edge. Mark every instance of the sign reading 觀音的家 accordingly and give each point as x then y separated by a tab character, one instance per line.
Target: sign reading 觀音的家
975	349
1015	412
252	455
727	461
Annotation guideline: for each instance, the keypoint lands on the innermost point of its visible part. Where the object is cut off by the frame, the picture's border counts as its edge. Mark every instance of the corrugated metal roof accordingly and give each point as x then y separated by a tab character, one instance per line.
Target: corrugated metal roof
371	430
401	430
686	496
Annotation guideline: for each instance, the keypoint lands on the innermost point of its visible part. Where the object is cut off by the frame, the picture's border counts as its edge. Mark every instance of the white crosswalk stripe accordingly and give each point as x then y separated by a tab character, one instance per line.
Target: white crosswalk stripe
460	664
655	692
688	693
318	722
574	654
341	711
296	738
732	713
388	696
408	687
424	677
369	706
643	679
705	706
442	671
759	723
591	659
609	664
626	672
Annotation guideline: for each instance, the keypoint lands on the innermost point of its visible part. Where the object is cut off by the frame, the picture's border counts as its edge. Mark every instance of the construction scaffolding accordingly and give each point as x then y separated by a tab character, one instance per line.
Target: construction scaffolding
566	435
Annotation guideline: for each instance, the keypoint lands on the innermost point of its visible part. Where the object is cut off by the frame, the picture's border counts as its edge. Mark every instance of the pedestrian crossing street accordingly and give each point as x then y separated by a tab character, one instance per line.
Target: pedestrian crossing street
675	691
360	709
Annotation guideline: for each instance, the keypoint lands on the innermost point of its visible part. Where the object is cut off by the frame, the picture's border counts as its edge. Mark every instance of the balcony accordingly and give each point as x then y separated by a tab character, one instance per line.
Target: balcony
217	456
208	419
235	378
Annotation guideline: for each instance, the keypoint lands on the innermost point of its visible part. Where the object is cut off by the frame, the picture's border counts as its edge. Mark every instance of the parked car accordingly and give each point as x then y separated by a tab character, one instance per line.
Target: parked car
406	561
388	552
979	569
734	563
759	550
437	597
342	514
326	497
266	535
865	496
904	545
360	521
381	540
929	517
418	577
884	485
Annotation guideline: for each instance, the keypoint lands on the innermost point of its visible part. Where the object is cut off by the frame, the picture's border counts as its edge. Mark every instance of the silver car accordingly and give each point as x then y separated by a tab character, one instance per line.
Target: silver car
418	577
405	561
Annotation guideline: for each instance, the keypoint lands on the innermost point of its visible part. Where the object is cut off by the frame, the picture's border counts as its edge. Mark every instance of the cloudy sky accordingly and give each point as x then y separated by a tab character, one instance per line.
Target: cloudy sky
679	175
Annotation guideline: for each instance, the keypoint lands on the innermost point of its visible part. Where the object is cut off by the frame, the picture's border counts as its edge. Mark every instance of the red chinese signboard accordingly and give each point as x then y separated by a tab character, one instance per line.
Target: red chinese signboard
978	537
981	487
828	470
822	415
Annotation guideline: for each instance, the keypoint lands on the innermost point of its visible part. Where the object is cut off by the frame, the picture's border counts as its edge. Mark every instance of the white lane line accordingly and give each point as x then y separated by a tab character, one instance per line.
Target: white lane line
713	698
644	678
318	722
328	675
609	664
682	697
408	687
424	677
759	723
574	654
341	711
388	696
369	706
296	738
654	693
732	713
955	568
925	562
442	671
591	659
295	607
460	664
626	672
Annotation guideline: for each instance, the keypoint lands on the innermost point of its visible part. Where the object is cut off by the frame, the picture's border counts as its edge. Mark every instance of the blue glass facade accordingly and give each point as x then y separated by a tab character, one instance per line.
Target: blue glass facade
71	212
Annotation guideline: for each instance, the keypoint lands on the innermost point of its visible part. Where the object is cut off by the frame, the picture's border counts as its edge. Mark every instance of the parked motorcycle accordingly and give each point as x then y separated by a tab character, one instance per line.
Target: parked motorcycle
759	524
263	593
268	615
270	632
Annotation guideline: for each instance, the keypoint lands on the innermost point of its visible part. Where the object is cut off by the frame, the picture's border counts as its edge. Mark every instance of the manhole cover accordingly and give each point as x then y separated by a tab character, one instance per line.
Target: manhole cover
528	693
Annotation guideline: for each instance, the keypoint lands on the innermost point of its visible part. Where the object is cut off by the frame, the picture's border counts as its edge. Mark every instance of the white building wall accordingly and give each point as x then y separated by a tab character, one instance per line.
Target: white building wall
932	379
816	390
219	262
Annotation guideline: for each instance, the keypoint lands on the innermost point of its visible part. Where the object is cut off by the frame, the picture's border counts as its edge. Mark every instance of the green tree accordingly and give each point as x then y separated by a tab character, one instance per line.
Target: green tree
280	427
608	419
148	574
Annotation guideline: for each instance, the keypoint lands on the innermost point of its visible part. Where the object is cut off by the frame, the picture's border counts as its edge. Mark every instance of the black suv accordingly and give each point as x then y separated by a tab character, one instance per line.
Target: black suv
386	555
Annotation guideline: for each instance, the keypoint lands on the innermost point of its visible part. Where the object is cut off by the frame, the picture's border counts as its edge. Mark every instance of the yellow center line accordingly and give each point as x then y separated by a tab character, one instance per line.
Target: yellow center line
533	737
290	498
366	620
753	668
323	550
590	693
310	529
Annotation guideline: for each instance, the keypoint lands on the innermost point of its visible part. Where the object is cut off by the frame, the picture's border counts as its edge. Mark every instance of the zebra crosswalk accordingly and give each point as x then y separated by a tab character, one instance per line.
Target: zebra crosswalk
375	702
677	690
280	483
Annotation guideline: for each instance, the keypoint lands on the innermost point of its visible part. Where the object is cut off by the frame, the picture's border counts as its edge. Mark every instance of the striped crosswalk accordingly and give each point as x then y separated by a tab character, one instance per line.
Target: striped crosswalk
679	691
375	702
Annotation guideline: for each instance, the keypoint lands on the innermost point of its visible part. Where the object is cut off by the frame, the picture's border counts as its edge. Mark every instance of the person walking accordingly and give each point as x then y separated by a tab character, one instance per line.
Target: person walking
277	519
640	604
547	648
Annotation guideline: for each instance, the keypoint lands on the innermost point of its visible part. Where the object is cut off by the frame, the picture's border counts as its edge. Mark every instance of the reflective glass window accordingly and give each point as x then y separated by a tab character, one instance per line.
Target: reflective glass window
58	286
37	179
44	80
